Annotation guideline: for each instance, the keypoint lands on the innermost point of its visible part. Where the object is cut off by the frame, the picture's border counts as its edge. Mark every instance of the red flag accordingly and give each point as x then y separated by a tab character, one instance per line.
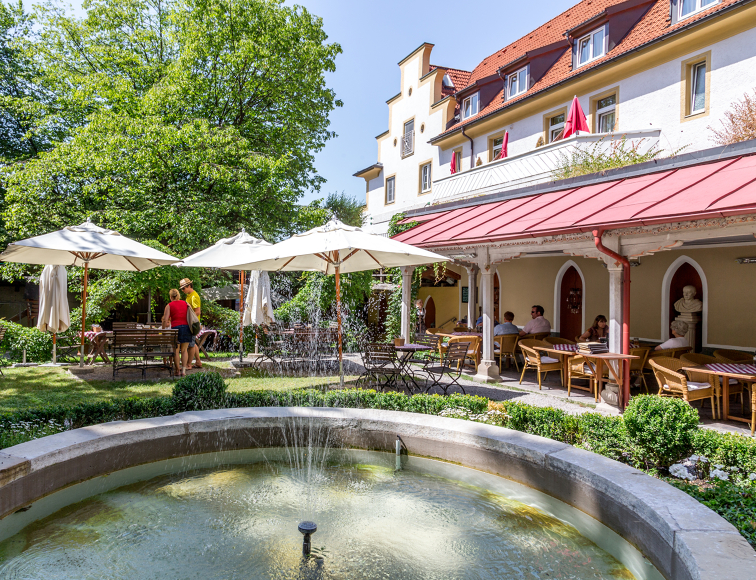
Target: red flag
576	120
454	162
504	143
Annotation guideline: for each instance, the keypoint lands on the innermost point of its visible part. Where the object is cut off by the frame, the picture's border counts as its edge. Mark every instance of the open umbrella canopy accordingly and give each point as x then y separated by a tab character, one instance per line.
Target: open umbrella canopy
321	249
237	249
87	243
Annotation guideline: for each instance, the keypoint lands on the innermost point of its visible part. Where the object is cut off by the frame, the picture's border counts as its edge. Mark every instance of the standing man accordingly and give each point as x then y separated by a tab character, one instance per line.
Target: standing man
194	302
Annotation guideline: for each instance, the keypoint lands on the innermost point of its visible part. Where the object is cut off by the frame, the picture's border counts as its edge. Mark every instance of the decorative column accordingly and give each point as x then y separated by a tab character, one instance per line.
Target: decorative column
488	370
472	298
407	272
615	308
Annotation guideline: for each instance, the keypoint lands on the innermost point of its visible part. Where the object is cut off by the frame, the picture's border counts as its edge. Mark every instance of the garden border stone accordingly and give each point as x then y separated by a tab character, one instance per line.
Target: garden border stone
684	539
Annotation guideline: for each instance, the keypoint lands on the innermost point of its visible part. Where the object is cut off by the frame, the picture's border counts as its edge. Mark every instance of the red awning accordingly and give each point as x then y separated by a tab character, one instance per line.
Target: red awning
710	190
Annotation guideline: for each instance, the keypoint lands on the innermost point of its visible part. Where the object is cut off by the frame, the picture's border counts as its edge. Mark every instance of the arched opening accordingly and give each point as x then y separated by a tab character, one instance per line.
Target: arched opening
430	313
685	275
571	304
682	272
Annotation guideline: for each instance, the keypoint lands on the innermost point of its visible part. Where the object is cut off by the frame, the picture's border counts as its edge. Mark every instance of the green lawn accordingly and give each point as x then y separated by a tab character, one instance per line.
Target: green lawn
32	387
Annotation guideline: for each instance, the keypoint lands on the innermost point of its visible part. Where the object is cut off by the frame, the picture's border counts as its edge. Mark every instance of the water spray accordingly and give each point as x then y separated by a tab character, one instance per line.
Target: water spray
398	453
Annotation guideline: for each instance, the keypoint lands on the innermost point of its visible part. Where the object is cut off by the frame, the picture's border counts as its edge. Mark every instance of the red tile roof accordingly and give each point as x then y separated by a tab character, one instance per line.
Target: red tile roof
460	78
722	188
654	24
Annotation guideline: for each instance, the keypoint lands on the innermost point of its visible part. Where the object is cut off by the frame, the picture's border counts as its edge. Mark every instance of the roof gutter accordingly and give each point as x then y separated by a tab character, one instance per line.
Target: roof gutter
472	148
597	235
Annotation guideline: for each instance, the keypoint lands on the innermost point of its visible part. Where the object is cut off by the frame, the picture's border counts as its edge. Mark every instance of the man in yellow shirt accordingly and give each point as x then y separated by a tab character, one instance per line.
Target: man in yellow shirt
195	303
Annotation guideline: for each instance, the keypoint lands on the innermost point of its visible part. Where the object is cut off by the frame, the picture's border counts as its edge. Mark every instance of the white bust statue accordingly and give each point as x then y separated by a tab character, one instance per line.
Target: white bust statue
689	302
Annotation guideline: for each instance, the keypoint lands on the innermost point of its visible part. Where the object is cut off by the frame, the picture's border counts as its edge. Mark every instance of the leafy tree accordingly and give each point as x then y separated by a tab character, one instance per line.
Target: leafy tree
189	120
347	209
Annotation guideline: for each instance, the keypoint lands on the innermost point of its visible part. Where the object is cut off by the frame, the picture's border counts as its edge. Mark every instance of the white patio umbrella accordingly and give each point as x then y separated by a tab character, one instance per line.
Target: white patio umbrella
335	248
54	315
239	248
90	246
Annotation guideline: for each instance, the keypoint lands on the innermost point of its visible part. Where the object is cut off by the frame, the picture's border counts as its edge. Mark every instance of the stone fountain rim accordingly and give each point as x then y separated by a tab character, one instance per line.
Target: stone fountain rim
684	539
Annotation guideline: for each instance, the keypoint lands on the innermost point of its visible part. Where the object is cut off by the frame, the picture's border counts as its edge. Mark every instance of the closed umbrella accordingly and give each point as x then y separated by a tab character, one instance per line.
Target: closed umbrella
258	308
504	144
576	120
454	163
335	248
90	246
236	249
54	315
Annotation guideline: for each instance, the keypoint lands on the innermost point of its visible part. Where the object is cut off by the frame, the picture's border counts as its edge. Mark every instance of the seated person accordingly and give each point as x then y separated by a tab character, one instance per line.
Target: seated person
599	329
679	330
538	322
479	322
507	327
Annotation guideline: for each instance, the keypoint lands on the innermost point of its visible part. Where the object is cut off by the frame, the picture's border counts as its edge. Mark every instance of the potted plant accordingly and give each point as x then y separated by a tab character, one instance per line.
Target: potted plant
399	341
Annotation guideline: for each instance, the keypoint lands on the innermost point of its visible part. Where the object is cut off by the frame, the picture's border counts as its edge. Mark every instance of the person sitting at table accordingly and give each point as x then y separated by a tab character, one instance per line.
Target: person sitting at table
174	316
538	322
599	329
507	327
679	330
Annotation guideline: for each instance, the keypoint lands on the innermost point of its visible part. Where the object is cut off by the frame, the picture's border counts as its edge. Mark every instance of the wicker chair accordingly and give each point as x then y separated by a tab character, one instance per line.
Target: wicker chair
637	365
507	345
735	386
579	369
665	353
537	361
672	383
733	356
557	340
473	350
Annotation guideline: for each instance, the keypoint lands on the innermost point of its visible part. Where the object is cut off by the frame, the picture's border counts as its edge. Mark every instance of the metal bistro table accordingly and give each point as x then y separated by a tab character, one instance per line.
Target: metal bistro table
407	350
723	372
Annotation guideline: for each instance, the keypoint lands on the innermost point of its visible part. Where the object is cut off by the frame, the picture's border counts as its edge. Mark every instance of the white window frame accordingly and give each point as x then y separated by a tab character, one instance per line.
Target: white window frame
495	148
605	111
558	127
474	101
425	187
522	87
700	6
391	186
694	73
591	36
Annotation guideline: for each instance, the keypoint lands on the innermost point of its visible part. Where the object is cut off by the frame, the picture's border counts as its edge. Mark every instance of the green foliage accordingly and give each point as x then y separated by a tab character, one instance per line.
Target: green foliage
38	344
544	421
393	322
601	157
200	391
347	209
226	322
660	428
734	503
603	435
728	449
185	120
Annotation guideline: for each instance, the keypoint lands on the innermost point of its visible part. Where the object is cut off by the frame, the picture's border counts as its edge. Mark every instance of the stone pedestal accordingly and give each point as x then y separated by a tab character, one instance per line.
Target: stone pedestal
692	319
610	394
488	372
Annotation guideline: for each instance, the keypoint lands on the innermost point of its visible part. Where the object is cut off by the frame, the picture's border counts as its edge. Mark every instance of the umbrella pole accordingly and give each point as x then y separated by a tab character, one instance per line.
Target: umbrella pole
338	319
55	354
83	313
241	316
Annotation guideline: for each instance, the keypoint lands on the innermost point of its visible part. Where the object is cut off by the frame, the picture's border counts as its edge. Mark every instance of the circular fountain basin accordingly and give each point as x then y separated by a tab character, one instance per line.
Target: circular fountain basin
630	523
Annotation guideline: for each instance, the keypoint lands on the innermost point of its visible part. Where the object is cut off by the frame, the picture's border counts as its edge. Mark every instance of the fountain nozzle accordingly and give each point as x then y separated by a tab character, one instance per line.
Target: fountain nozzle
307	528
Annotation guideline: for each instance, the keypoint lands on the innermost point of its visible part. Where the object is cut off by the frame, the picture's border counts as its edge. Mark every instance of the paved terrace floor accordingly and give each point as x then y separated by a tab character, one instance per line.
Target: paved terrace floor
553	394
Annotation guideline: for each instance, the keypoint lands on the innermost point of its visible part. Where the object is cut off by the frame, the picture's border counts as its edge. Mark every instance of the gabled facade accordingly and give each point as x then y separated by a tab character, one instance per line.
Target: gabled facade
659	72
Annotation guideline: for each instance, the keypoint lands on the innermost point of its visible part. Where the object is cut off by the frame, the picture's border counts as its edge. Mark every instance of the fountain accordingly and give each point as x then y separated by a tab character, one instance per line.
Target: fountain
219	493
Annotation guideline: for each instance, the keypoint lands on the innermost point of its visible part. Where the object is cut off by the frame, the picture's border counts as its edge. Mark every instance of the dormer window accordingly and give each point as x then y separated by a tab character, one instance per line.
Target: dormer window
447	82
688	7
592	46
470	106
517	83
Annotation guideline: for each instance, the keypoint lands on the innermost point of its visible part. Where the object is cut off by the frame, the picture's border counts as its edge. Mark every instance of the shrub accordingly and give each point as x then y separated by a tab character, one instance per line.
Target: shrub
739	123
38	344
200	391
544	421
729	449
606	436
661	429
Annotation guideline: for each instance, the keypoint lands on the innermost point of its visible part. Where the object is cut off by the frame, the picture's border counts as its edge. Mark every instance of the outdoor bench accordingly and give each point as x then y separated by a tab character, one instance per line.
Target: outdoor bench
137	348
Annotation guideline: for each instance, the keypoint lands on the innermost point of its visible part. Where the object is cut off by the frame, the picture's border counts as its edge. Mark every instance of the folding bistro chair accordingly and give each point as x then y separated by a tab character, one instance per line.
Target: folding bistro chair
451	366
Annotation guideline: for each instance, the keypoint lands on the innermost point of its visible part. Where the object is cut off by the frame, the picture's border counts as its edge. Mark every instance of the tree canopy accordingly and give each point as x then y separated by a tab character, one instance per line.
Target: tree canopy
184	120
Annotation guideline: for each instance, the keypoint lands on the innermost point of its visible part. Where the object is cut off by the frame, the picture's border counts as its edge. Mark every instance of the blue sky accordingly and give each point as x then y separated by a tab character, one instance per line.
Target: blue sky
375	36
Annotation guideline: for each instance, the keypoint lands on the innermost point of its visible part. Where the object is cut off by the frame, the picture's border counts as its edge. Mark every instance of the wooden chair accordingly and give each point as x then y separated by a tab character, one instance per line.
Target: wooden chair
579	369
537	361
665	353
733	356
673	383
473	350
637	365
507	345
